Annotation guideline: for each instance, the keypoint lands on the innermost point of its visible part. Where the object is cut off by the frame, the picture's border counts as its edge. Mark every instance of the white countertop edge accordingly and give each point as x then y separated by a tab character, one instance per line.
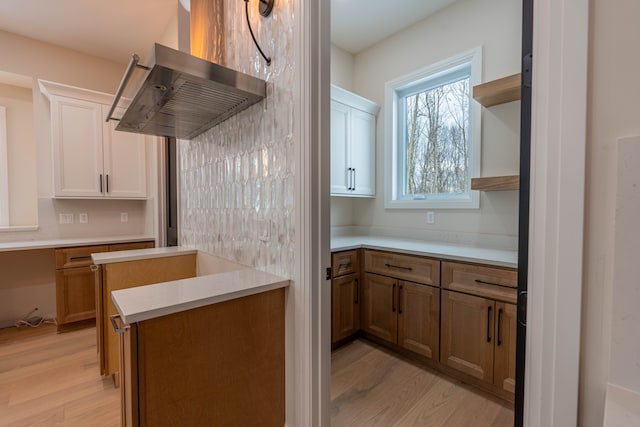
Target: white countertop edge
70	242
124	299
490	256
140	254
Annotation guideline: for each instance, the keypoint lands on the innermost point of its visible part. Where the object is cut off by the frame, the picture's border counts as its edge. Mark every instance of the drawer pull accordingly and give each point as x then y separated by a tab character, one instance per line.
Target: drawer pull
499	322
400	299
80	258
393	298
94	267
119	329
488	283
399	267
344	264
489	324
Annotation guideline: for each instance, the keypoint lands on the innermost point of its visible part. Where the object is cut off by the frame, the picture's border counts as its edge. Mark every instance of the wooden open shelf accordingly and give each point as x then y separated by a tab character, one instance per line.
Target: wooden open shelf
496	183
499	91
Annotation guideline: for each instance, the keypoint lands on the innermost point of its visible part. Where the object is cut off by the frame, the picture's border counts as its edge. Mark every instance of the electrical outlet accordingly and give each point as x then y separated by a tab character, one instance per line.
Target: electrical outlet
431	217
66	218
83	218
264	229
124	216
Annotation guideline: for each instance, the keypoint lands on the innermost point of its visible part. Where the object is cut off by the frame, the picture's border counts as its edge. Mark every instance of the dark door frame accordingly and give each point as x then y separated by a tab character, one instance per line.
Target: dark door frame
523	215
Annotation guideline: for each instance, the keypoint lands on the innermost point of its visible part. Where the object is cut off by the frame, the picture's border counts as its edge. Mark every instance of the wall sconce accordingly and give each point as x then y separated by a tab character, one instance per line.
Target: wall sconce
265	10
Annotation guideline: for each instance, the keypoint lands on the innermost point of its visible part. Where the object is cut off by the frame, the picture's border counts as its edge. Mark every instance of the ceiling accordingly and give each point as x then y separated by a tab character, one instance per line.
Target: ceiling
359	24
112	29
115	29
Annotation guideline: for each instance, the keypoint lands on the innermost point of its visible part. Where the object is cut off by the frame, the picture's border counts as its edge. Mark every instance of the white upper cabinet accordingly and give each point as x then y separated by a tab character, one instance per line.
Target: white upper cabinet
353	144
90	158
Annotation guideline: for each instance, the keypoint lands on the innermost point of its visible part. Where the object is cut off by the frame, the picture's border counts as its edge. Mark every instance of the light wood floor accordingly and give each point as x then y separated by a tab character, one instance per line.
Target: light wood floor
371	387
49	379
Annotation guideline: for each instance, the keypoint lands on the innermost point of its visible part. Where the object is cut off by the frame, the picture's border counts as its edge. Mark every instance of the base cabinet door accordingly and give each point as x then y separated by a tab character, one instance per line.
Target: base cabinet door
505	347
75	294
379	306
418	318
345	301
467	334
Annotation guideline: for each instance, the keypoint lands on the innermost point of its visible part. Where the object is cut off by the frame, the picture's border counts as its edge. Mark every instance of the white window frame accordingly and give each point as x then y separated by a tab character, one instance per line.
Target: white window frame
4	170
393	94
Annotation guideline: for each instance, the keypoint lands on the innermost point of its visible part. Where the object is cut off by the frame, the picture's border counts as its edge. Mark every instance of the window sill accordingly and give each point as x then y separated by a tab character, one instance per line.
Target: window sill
12	228
472	202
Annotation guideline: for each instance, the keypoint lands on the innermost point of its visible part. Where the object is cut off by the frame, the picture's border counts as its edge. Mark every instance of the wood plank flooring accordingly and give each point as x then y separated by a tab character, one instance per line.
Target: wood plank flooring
371	387
49	379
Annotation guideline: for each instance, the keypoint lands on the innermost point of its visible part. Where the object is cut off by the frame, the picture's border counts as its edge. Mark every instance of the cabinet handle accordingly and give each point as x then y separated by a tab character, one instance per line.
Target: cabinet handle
344	264
393	298
499	342
119	329
488	283
94	267
354	178
349	185
107	183
357	291
489	324
400	299
399	267
101	183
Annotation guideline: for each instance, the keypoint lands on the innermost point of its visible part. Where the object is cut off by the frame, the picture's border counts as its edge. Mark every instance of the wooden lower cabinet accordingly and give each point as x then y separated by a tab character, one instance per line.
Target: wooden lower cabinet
75	295
402	313
478	337
345	300
180	370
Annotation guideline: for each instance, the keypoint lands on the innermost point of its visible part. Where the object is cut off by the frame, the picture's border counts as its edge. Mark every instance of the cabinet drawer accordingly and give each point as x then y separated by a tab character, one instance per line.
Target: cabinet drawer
77	257
489	282
131	246
406	267
344	263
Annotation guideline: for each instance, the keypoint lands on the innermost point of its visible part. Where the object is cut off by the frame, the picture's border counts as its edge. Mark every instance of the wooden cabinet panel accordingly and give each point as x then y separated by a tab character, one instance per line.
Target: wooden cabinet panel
490	282
379	307
419	318
345	300
75	295
505	347
189	373
467	334
345	263
406	267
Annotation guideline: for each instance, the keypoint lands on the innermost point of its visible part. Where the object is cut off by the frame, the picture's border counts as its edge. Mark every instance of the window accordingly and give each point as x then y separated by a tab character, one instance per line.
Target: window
433	135
4	170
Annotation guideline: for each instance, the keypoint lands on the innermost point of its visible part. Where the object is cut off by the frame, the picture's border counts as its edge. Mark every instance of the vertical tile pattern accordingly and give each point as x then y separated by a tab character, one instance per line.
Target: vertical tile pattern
243	170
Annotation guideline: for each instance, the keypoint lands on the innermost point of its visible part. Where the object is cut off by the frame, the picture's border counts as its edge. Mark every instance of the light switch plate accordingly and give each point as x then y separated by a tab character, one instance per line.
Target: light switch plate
124	216
83	218
66	218
431	217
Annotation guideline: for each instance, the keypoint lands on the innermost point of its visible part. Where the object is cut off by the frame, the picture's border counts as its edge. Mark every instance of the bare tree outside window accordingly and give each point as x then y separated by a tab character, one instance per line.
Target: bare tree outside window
437	143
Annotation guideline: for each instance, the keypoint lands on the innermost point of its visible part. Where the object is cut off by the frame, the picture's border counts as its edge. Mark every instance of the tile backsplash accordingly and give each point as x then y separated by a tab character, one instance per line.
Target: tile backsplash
237	179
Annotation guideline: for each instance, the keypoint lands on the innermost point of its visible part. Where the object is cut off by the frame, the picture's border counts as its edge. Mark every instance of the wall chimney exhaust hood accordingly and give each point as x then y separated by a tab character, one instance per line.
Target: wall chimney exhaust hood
182	95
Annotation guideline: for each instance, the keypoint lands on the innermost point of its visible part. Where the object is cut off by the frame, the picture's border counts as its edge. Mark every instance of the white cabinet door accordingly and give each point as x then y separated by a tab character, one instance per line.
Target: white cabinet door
353	144
340	150
77	147
124	162
363	159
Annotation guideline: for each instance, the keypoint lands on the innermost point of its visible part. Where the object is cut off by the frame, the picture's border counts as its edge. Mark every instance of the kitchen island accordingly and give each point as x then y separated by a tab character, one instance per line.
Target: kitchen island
207	350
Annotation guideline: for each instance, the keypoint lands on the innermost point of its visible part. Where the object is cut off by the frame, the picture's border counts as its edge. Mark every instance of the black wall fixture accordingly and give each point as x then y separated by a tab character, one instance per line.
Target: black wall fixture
265	7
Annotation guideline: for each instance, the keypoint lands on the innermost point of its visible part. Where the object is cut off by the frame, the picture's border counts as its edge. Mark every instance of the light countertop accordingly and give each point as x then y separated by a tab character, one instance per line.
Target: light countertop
140	254
147	302
491	256
79	241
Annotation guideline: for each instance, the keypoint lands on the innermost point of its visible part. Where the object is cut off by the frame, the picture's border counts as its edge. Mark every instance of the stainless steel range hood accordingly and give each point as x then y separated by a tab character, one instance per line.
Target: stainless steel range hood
183	95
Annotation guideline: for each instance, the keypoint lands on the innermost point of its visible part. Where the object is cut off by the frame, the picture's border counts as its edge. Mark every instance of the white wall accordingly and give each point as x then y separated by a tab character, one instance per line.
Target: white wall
494	24
21	154
613	91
